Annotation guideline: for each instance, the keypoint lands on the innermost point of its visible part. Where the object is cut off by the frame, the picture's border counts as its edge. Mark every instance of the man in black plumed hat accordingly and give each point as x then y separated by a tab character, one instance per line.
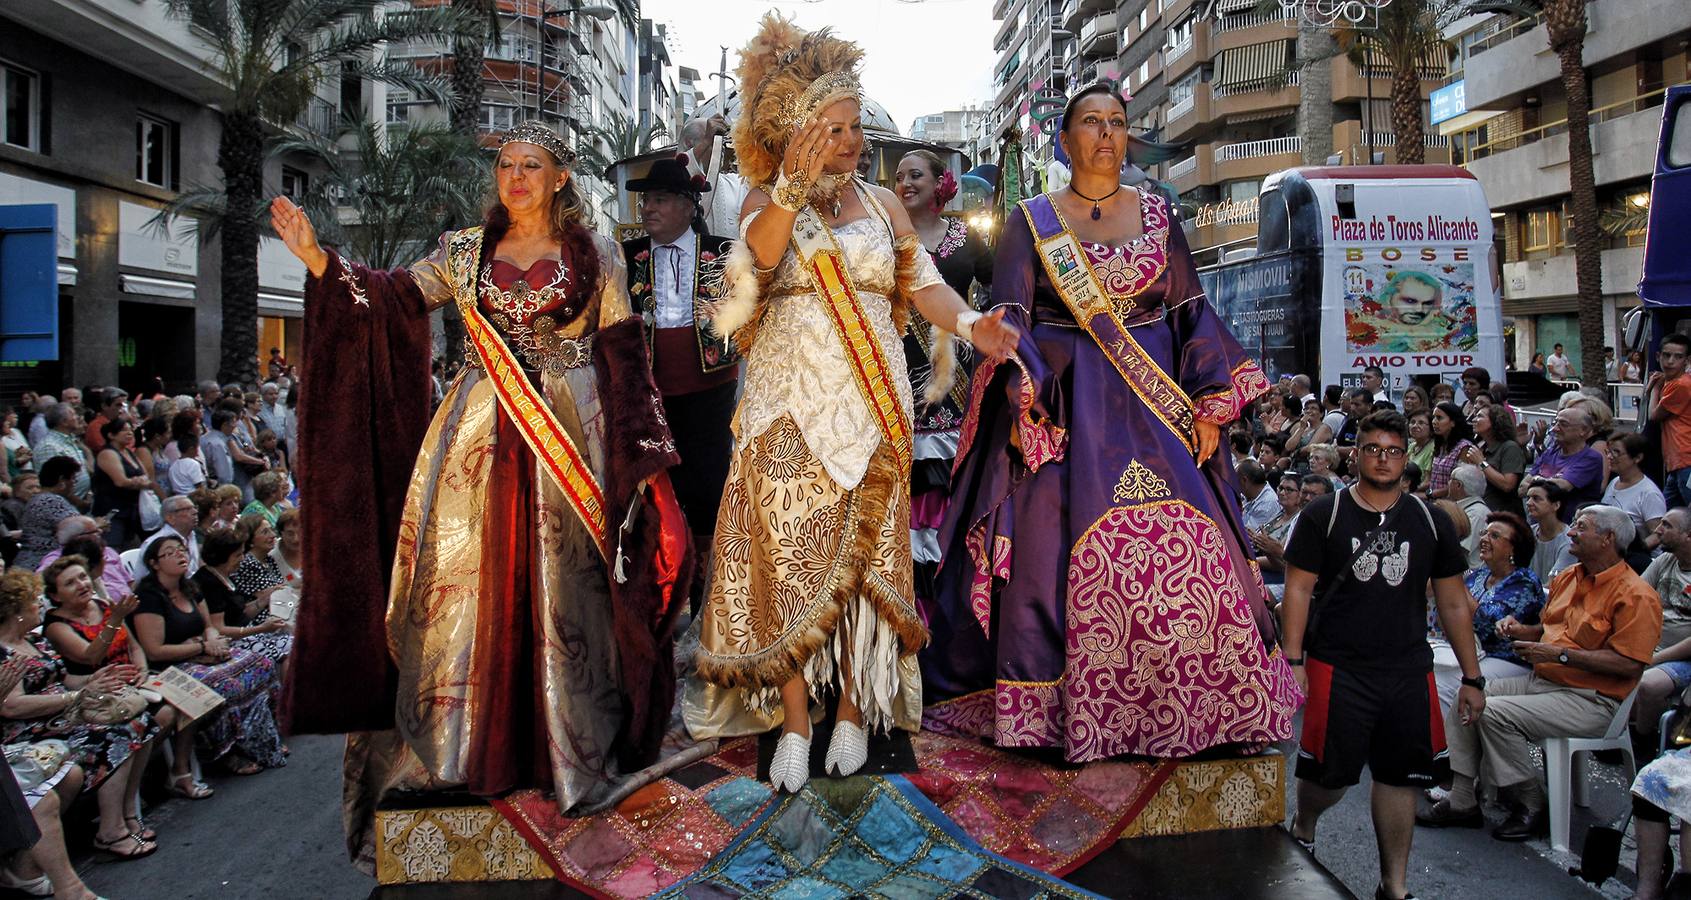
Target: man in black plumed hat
672	271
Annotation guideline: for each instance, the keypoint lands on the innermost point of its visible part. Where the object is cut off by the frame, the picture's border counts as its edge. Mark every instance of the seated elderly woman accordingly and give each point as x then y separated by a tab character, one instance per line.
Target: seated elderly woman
45	703
112	580
259	574
287	555
1503	587
268	492
46	510
241	617
174	627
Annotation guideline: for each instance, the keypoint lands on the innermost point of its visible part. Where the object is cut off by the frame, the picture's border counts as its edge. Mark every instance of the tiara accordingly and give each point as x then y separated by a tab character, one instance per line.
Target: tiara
536	133
833	85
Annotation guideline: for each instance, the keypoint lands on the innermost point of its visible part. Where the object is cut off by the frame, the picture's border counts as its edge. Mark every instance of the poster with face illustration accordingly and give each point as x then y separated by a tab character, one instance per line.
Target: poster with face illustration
1409	309
1408	278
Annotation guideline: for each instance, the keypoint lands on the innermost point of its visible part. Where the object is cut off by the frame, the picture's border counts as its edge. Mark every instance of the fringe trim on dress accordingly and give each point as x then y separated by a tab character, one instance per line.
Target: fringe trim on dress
861	606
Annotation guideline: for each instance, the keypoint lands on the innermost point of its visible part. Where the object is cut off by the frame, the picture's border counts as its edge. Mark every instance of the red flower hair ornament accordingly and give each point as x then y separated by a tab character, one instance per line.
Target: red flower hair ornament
945	190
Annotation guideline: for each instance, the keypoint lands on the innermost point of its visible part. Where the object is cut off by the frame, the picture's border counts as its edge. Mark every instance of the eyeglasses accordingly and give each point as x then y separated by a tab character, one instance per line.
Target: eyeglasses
1375	451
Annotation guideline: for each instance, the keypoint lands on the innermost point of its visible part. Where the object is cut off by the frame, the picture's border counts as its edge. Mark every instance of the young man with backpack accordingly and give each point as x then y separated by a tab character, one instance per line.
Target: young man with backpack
1354	619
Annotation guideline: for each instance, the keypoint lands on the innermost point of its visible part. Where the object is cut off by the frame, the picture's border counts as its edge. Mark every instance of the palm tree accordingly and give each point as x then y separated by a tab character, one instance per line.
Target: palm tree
1315	47
408	186
1565	24
271	56
1404	35
468	52
468	86
619	138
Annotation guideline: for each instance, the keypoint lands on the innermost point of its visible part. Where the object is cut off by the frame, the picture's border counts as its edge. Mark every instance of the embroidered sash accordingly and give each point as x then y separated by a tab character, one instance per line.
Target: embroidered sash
1071	274
524	405
820	256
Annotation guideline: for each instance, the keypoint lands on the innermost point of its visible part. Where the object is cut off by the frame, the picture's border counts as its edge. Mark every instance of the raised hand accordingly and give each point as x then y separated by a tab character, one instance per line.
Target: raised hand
294	228
808	151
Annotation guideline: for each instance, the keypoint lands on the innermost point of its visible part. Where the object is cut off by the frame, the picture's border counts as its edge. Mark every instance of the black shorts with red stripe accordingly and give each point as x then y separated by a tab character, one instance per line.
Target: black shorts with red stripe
1385	719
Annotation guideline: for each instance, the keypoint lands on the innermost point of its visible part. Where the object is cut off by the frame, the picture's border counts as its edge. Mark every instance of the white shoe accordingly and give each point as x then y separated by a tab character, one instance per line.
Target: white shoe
848	749
39	886
790	768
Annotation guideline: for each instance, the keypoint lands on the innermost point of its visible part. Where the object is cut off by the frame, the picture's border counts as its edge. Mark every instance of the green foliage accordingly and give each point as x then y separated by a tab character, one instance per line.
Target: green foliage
386	202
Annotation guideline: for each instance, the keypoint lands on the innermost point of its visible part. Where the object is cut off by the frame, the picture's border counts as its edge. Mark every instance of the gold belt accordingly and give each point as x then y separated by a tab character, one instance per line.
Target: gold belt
553	356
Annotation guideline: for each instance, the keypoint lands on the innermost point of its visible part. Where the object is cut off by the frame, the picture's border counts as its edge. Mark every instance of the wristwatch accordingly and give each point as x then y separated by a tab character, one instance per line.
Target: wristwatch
1294	660
1562	657
1477	682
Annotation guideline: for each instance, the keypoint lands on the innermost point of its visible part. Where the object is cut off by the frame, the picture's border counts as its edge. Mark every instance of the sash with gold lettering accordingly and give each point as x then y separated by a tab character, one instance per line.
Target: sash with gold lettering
540	428
1071	274
820	256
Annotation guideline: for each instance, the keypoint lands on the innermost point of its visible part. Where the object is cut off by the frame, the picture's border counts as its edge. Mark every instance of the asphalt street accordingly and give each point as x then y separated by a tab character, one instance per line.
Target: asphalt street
272	835
1467	864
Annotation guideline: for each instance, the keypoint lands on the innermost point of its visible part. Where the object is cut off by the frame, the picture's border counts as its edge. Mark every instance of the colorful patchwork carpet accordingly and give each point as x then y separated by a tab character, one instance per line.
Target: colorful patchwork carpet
692	830
867	836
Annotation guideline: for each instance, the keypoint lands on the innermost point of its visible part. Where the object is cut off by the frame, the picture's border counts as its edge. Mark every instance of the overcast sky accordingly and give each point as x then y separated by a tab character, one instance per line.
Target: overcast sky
919	57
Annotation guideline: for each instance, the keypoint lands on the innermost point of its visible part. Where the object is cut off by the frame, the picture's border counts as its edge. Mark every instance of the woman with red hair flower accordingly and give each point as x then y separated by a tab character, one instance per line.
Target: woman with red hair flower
924	186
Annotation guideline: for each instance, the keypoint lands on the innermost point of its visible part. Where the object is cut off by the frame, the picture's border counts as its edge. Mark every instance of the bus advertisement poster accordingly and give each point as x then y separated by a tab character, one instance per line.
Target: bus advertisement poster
1407	286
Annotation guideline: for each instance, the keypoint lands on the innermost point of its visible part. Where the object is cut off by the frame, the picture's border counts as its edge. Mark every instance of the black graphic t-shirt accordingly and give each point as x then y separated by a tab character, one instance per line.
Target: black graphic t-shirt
1378	616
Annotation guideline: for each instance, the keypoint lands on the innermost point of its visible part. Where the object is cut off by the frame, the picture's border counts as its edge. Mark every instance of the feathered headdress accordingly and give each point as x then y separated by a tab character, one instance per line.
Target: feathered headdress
786	74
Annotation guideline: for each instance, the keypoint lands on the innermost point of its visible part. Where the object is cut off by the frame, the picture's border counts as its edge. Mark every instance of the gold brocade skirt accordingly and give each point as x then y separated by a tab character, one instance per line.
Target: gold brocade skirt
448	547
807	577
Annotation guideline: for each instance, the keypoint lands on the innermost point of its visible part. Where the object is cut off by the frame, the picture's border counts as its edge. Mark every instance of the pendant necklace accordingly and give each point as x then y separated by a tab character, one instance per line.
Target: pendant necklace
1096	212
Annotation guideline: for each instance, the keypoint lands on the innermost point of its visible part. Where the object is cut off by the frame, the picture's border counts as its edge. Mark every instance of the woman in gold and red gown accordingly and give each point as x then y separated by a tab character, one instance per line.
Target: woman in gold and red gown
538	549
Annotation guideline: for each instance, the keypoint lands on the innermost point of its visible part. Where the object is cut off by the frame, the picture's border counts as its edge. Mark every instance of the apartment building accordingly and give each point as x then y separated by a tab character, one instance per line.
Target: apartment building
1035	55
954	128
1507	122
572	65
1217	78
109	115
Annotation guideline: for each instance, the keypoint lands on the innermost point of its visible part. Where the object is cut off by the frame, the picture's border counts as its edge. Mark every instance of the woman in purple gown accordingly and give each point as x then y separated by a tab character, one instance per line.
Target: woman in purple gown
1096	594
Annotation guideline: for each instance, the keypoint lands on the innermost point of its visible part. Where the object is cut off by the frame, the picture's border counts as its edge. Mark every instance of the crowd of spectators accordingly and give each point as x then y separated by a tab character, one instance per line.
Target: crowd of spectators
138	536
1578	564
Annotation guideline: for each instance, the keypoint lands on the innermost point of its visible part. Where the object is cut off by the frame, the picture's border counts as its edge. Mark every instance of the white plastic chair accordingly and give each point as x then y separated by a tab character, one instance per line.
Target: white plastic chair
132	562
1566	773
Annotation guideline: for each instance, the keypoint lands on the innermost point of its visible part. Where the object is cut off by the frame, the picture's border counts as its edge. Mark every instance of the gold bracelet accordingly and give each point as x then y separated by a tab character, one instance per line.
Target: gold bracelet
790	194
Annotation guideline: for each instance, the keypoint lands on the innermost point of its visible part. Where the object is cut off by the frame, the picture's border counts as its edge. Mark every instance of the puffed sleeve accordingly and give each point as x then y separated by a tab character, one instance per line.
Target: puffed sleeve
614	305
1214	370
433	275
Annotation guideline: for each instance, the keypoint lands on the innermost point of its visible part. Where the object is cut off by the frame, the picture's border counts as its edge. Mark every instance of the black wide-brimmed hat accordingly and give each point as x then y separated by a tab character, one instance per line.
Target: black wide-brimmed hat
669	175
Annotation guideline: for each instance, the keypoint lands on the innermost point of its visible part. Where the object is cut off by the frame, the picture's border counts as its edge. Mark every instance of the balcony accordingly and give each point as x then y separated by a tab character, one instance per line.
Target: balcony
1098	36
1531	166
1235	24
1519	59
1069	18
1253	149
320	117
1538	280
1256	159
1254	98
1186	117
1193	171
